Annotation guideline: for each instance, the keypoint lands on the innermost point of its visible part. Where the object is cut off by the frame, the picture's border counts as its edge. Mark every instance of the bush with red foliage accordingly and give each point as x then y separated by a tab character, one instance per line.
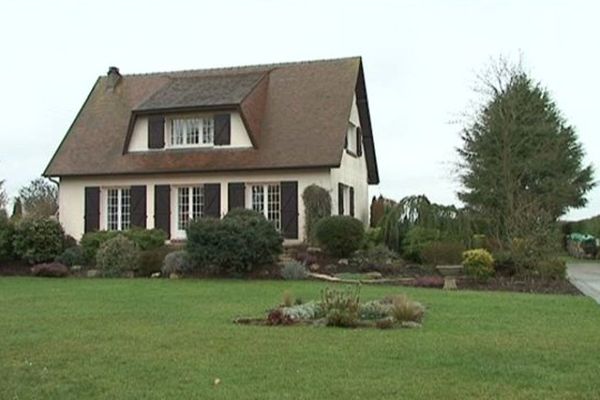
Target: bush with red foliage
50	270
428	282
277	317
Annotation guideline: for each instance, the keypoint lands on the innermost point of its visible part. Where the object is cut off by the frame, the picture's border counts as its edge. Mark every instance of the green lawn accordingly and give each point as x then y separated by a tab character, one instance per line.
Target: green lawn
169	339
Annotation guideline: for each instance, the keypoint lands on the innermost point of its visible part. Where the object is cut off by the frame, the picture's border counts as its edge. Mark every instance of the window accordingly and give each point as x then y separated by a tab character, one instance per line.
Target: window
192	131
190	205
266	199
351	144
118	209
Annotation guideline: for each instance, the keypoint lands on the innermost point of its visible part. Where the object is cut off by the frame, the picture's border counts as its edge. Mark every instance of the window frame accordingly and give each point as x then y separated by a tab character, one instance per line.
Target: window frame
194	209
123	208
268	198
351	141
206	120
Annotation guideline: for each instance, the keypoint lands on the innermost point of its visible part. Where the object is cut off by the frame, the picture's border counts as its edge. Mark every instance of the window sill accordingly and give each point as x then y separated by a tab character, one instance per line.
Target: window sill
351	153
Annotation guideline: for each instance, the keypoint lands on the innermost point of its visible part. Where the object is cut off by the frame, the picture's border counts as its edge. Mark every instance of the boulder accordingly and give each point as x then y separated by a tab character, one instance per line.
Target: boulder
93	273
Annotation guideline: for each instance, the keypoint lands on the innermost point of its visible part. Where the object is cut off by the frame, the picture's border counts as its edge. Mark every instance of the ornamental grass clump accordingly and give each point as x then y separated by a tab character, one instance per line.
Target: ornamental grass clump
403	309
341	307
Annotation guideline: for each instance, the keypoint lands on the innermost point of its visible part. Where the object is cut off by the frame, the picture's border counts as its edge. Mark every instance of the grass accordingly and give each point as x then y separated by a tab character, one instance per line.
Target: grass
166	339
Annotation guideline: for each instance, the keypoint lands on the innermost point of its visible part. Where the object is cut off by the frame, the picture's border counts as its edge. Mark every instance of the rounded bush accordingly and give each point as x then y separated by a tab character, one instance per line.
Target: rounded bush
340	235
176	262
242	241
38	240
71	256
478	263
117	256
417	238
50	270
145	239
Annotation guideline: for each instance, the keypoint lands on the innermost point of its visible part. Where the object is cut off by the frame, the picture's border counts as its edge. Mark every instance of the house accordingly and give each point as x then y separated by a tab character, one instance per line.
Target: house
159	149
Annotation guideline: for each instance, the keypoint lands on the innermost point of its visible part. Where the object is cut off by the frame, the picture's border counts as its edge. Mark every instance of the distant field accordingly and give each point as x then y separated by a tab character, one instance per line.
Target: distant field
170	339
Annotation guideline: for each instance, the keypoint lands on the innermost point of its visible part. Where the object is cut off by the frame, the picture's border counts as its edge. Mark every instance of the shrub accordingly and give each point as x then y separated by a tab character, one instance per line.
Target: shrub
306	311
551	268
317	205
243	241
417	238
38	240
403	309
71	256
145	239
117	256
294	270
340	235
341	307
373	238
428	282
7	232
91	242
50	270
374	310
442	253
151	261
478	263
176	262
379	258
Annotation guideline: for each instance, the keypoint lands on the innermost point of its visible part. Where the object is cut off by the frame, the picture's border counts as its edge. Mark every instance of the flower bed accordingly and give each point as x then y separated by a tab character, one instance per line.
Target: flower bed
342	308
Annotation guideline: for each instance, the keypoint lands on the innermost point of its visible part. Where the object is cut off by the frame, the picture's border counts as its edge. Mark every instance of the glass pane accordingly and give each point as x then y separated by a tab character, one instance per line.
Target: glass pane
274	206
193	131
258	198
112	209
208	130
125	209
183	208
197	202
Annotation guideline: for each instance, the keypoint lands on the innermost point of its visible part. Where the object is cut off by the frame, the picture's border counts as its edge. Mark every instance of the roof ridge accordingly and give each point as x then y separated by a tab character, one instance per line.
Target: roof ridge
242	67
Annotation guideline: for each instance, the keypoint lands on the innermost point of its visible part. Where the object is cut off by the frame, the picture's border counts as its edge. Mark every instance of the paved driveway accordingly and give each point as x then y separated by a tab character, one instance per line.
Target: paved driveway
586	277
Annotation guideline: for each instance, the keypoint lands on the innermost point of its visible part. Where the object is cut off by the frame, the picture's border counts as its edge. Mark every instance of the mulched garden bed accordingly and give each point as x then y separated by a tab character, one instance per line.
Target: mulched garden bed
512	284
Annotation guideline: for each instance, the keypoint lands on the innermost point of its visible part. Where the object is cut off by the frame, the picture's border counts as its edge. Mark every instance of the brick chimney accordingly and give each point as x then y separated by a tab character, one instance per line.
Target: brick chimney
114	77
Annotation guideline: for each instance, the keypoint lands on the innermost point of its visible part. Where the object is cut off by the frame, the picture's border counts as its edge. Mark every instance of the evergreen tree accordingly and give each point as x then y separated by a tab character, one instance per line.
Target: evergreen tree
521	162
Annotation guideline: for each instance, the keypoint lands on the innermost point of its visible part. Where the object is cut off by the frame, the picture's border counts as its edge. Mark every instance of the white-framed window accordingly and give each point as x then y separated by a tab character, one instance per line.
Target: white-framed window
351	144
265	198
190	205
118	209
192	131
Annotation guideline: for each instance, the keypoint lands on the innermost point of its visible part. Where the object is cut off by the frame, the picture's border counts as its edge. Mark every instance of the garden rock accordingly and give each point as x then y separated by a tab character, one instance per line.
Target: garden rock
155	275
174	276
314	267
410	324
343	261
93	273
374	275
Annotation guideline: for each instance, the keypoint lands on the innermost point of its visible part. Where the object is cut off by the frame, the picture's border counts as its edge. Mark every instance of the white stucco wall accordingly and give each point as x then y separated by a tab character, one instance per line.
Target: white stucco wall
72	192
139	136
352	172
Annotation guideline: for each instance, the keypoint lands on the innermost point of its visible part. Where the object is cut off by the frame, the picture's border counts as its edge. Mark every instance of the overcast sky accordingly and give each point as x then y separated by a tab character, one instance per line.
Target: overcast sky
420	60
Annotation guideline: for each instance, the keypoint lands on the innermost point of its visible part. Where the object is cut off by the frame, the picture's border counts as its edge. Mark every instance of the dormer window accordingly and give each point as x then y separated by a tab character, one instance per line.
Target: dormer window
192	132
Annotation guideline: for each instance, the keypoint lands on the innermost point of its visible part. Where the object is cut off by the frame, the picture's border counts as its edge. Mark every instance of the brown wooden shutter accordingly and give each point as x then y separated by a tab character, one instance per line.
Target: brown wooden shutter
236	195
289	209
92	209
162	208
212	200
358	142
340	199
156	132
138	206
222	129
351	201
